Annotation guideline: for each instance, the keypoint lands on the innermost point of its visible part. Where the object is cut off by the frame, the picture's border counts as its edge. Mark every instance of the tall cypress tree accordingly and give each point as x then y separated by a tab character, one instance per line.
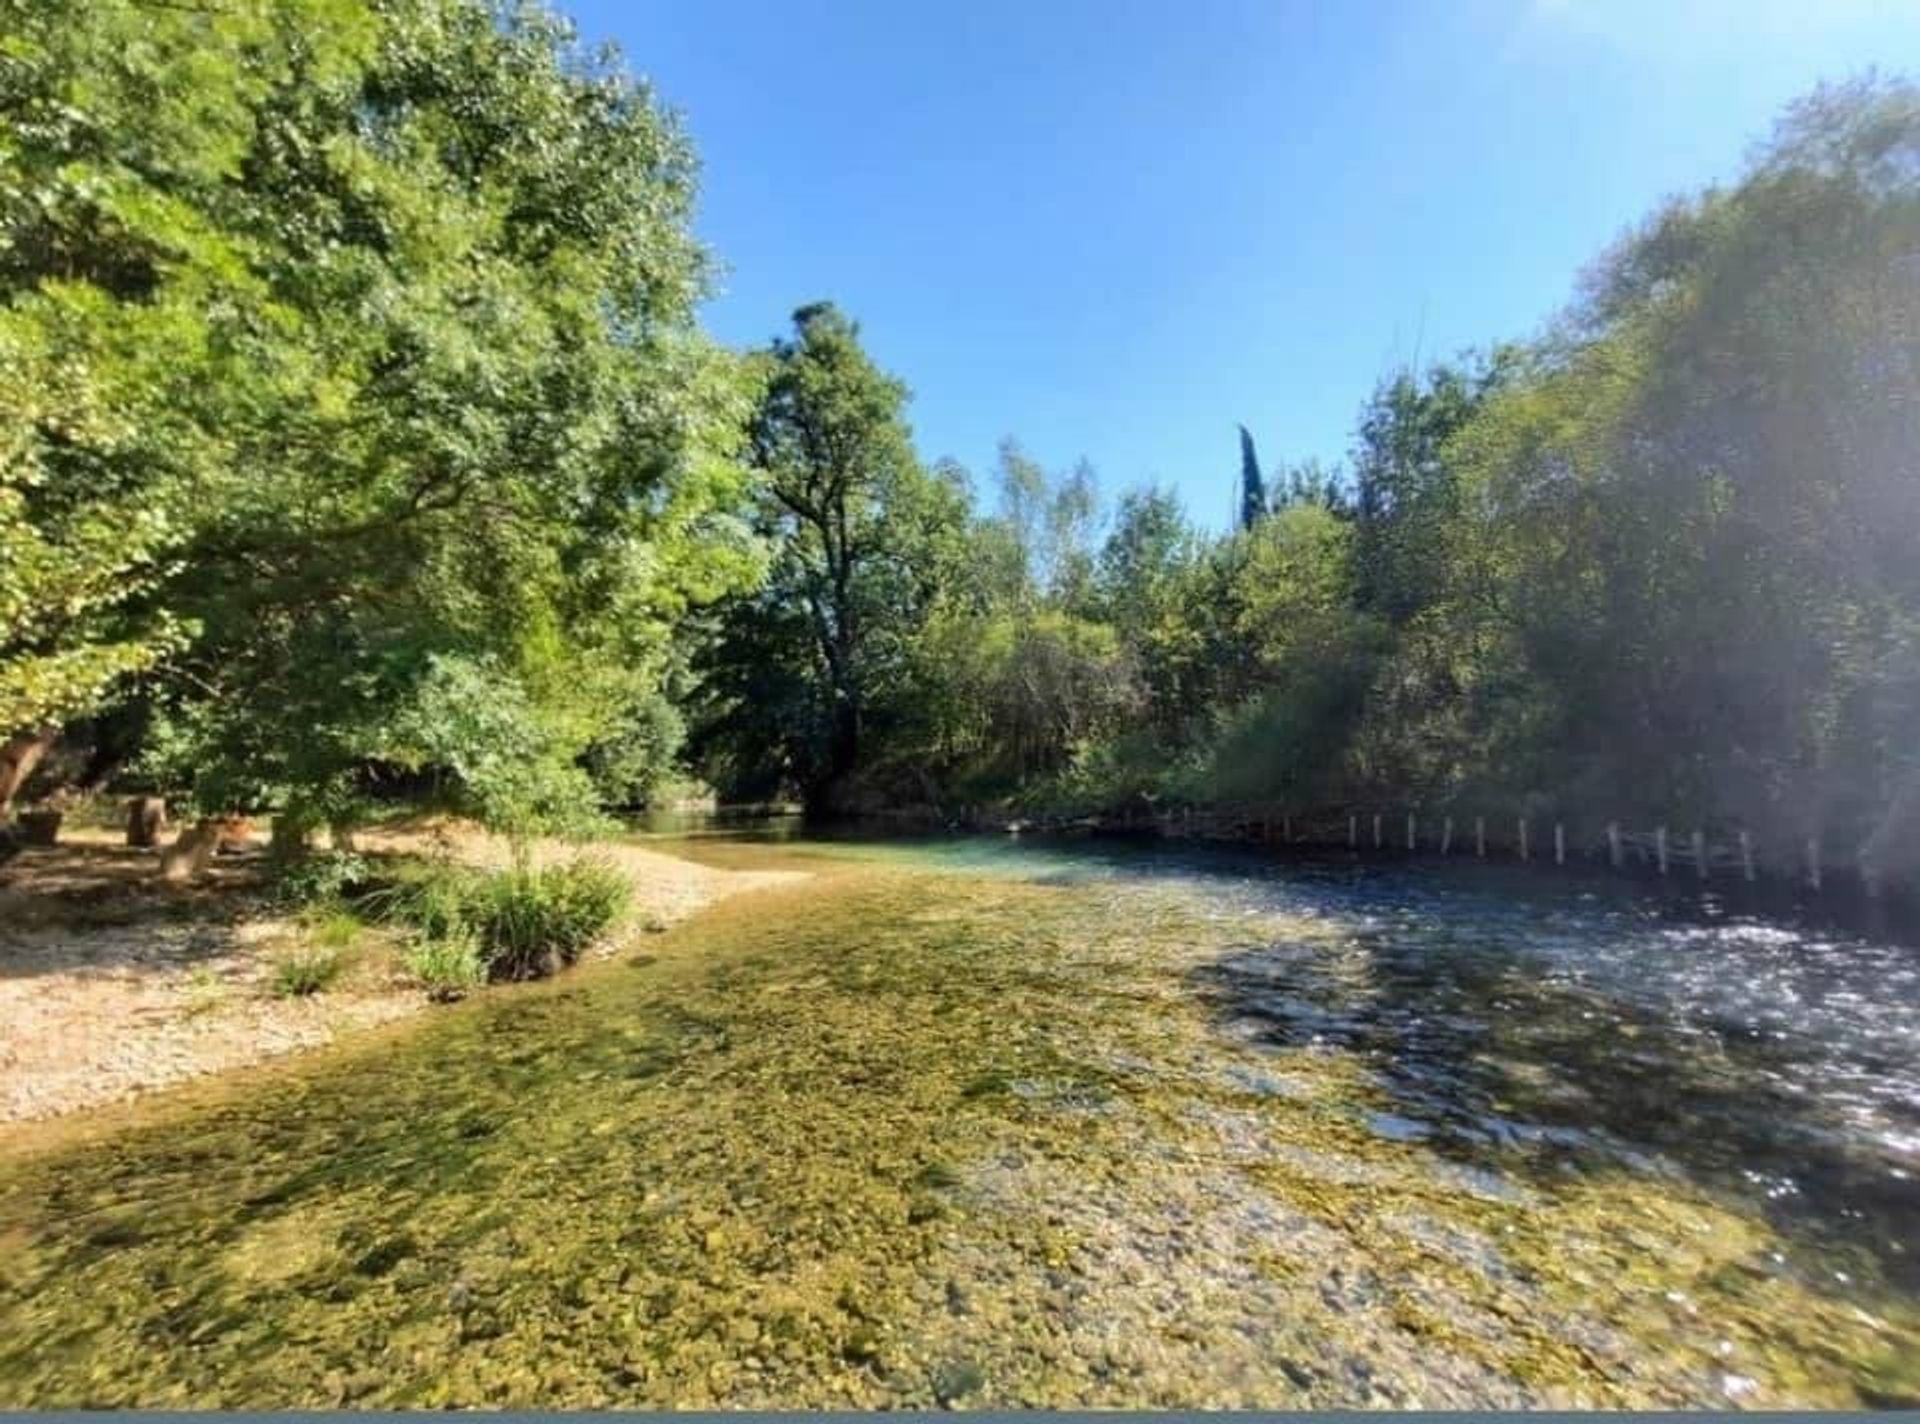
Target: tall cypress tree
1253	488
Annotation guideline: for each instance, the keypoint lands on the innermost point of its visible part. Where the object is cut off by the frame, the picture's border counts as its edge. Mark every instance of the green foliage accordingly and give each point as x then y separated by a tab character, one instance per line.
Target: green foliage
1662	562
865	539
1032	691
431	899
636	758
1683	564
83	536
509	762
358	443
523	922
1405	486
302	973
449	965
372	358
533	919
320	878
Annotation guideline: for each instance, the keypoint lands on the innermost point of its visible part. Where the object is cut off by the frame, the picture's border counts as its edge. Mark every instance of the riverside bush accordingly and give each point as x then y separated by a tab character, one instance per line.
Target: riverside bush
320	878
448	965
526	921
308	971
534	920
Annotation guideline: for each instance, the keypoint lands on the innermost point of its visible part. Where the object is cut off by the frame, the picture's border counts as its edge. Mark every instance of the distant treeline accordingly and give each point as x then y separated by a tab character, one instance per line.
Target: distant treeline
1661	563
360	442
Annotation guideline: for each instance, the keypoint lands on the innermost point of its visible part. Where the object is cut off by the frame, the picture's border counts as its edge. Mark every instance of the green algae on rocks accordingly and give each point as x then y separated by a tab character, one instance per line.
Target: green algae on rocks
1017	1133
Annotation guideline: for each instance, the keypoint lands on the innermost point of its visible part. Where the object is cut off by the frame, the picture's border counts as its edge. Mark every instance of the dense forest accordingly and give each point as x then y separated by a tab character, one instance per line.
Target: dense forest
362	448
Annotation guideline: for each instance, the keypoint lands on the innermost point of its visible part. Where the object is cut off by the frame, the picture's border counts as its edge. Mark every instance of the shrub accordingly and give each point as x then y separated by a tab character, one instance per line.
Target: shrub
526	921
435	900
322	876
306	972
448	965
534	920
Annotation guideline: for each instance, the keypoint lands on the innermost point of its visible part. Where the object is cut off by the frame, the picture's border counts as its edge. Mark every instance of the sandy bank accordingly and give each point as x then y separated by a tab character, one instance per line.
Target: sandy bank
112	985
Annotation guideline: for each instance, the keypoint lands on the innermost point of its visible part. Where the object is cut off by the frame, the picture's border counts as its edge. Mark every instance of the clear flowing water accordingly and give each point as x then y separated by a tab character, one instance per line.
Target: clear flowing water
983	1123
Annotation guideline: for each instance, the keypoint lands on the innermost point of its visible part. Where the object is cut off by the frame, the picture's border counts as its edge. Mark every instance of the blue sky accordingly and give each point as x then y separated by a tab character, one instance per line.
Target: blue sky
1118	229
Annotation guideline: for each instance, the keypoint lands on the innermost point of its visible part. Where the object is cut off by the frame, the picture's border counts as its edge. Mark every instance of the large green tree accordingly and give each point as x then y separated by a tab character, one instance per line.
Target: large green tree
371	327
816	668
1673	572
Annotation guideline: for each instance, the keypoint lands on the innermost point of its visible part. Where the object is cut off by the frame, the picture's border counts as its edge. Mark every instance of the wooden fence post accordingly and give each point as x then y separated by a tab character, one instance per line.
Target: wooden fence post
1523	838
1700	853
1376	830
1559	844
1746	856
1480	836
1413	841
1286	830
1353	832
1660	847
1446	835
1813	862
1613	844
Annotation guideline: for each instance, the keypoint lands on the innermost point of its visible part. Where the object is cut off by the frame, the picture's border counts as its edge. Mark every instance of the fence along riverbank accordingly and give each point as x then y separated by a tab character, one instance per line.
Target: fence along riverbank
1809	874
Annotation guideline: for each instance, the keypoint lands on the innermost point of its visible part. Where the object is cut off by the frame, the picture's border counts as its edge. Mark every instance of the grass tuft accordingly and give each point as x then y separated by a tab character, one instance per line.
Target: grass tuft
448	966
522	923
308	971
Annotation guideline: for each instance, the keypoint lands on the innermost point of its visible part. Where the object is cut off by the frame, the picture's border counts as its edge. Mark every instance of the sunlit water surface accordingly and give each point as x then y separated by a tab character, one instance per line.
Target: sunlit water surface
984	1122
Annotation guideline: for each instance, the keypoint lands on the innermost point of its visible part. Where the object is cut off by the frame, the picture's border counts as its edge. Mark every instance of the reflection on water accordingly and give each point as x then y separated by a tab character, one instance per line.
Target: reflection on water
977	1121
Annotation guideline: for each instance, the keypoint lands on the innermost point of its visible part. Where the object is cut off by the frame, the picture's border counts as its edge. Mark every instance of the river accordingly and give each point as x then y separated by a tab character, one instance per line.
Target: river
986	1122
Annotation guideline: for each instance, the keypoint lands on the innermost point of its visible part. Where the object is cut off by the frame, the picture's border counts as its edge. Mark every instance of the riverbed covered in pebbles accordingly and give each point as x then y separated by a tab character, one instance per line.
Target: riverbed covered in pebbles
983	1126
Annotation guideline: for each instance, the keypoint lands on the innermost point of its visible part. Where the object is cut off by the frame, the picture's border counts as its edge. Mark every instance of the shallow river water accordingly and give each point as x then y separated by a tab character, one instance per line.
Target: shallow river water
985	1123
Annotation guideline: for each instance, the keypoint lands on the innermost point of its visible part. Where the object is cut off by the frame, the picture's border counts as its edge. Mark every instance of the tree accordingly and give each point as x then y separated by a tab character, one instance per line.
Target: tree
1403	483
389	311
1292	703
118	304
1309	482
864	538
1047	525
1253	487
1673	569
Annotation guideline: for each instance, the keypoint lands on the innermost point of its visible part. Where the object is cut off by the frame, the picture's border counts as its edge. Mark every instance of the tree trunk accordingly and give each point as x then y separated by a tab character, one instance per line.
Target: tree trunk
40	828
19	755
146	818
290	838
844	755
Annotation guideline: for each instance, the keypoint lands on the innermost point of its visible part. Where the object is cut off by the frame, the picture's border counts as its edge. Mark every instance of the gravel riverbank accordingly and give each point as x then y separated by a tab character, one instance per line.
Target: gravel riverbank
112	985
